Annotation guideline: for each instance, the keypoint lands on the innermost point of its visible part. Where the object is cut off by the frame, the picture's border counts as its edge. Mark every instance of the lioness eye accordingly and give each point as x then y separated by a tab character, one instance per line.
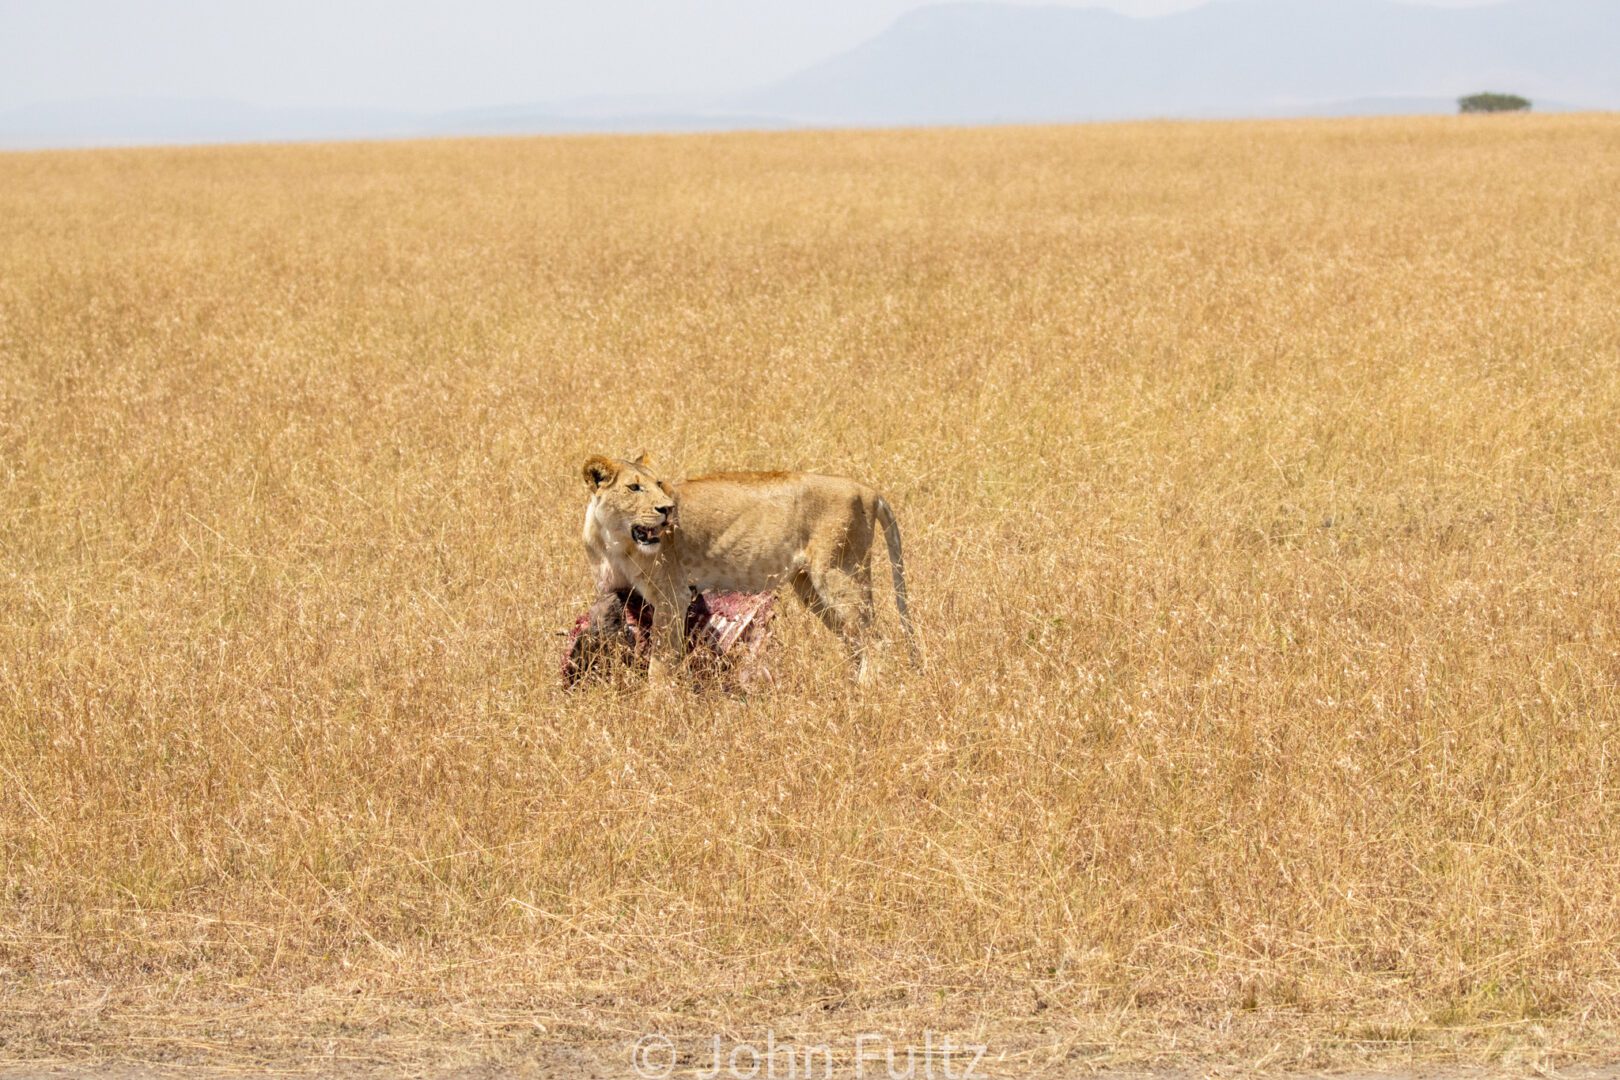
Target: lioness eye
635	487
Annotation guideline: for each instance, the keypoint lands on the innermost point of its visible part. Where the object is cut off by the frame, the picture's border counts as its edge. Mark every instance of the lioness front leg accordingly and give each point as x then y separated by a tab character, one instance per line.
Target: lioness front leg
668	638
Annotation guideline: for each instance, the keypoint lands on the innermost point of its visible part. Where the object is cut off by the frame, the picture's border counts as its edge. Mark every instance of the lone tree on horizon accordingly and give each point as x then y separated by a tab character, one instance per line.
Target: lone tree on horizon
1493	103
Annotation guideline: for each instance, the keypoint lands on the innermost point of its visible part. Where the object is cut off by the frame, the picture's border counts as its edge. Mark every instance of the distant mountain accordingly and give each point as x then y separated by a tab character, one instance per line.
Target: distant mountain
988	63
141	121
623	116
159	121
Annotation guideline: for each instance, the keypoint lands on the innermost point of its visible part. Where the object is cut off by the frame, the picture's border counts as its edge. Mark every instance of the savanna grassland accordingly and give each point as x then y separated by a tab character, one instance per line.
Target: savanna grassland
1261	494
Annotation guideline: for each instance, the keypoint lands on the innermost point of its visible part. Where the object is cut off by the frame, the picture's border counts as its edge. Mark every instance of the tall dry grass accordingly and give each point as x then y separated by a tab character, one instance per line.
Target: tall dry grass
1259	485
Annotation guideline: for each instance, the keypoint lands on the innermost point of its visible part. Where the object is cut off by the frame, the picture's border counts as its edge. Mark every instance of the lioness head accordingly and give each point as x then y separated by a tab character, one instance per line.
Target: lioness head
630	500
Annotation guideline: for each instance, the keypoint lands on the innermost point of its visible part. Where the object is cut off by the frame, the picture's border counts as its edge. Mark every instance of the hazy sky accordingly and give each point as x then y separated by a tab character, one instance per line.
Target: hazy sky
429	55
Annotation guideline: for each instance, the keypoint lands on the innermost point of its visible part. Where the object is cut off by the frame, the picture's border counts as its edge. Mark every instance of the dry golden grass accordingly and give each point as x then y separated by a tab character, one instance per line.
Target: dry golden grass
1259	484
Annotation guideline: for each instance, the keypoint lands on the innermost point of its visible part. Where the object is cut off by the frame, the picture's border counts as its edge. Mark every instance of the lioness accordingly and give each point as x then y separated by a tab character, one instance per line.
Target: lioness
750	532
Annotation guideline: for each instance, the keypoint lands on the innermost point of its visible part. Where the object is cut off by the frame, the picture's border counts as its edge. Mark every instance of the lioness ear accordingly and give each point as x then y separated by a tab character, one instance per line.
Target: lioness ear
643	461
599	470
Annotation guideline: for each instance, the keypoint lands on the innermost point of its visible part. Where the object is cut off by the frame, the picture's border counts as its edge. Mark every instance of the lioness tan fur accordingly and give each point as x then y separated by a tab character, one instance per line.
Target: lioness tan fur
750	532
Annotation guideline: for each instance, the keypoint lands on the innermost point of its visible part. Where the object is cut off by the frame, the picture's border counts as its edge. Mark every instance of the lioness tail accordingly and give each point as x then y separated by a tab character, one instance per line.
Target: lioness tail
897	566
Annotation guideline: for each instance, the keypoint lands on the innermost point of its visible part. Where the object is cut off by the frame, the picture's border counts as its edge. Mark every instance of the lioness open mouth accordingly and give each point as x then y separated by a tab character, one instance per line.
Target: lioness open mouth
646	535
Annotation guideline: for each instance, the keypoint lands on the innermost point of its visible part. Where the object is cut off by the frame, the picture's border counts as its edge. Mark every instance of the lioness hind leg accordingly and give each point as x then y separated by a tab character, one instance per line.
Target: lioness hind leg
844	607
862	572
855	581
